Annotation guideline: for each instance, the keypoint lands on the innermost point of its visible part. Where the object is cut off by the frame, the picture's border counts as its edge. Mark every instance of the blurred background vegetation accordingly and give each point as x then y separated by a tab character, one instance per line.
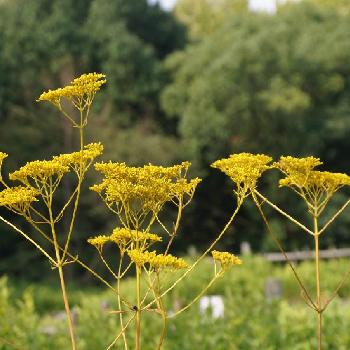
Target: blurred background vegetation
205	80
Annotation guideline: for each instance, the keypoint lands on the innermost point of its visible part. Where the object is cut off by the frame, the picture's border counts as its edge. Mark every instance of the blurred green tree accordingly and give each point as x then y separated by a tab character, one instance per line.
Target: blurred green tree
268	84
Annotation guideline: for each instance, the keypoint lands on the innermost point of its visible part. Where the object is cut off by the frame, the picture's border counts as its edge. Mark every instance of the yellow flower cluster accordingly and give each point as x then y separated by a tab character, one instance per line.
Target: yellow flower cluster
147	187
314	186
80	88
40	170
125	235
297	170
99	241
157	261
244	169
76	159
18	198
226	259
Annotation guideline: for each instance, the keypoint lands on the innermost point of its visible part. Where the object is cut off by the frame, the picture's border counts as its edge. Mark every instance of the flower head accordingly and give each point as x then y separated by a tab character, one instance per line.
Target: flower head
99	241
18	198
244	169
143	189
125	235
157	261
297	170
80	91
315	187
226	259
81	158
41	170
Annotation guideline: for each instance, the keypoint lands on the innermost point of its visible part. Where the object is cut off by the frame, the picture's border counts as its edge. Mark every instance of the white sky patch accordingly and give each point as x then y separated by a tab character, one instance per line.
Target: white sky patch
165	4
269	6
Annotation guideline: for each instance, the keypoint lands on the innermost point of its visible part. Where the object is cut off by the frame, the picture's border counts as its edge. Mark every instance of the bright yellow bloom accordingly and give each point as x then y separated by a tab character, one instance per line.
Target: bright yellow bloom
145	188
244	169
82	88
41	170
99	241
315	187
88	83
226	259
157	261
84	158
297	170
125	235
18	198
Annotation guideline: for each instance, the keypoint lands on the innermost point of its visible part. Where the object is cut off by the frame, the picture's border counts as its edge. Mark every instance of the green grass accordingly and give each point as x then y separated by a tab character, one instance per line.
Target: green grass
29	318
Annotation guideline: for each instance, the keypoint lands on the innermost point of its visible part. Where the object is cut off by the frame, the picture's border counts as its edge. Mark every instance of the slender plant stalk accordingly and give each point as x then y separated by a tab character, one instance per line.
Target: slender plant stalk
212	281
318	285
279	245
119	303
202	256
138	311
162	311
120	333
67	308
289	217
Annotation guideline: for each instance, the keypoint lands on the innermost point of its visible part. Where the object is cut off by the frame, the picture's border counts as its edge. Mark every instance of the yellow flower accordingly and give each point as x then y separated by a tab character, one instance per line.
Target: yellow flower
40	170
88	83
145	188
315	187
244	169
297	170
226	259
156	262
99	241
81	88
84	158
125	235
18	198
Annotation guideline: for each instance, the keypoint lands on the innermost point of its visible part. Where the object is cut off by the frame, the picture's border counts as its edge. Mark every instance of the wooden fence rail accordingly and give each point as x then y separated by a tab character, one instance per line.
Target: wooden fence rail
308	255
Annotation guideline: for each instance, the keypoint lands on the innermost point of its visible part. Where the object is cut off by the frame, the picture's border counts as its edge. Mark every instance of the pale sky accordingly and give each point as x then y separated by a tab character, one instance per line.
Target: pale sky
166	4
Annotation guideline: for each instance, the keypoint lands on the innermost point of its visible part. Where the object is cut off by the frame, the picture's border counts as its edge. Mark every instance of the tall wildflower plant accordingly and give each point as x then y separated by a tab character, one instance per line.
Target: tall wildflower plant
34	193
136	196
315	188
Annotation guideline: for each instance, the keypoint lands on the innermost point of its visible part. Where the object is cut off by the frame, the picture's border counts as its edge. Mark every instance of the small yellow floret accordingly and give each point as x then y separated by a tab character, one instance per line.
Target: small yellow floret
3	156
99	241
226	259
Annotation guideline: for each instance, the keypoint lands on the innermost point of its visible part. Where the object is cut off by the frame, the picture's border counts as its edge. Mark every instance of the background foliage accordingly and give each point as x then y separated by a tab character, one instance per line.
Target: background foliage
33	321
200	83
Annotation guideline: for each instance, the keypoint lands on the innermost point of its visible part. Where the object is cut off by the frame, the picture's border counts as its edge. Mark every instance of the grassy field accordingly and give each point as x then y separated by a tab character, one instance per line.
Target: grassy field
31	316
